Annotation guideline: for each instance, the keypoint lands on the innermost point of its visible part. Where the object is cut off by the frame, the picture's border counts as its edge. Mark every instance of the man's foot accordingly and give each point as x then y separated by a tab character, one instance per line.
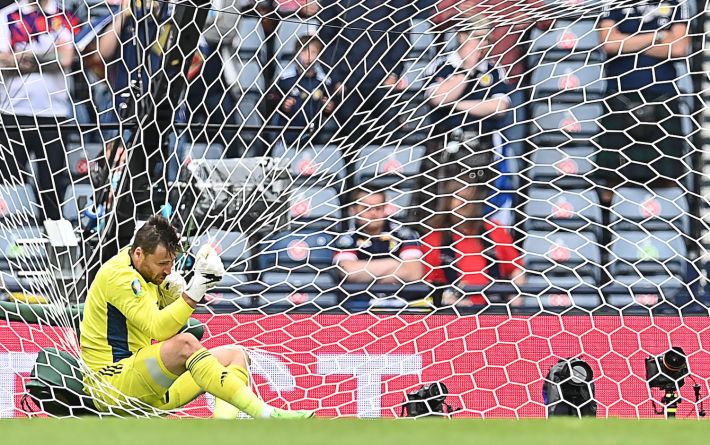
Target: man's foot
285	414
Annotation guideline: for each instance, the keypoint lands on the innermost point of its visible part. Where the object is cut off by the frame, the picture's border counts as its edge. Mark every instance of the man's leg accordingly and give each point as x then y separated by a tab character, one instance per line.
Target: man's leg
185	389
229	383
53	179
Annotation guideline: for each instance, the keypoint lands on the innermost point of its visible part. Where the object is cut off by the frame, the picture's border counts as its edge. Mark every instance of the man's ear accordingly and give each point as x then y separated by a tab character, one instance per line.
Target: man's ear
138	252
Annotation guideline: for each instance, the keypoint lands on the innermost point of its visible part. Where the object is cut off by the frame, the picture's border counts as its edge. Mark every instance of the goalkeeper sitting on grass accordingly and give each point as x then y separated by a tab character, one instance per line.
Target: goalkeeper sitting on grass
136	299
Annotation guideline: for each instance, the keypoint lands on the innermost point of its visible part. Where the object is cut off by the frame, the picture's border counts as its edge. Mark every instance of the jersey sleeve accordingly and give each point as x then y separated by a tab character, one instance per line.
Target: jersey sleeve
409	248
165	300
508	256
346	249
614	14
500	86
438	72
127	296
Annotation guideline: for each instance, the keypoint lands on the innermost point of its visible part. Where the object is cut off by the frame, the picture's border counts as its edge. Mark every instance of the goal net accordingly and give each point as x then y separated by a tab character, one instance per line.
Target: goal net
403	193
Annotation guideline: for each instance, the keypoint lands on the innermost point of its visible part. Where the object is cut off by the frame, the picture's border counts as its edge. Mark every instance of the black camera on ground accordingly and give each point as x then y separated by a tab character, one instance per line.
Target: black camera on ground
429	400
569	389
668	370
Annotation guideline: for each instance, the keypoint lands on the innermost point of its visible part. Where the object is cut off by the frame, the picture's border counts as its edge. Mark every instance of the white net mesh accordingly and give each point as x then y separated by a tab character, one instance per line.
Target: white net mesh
401	192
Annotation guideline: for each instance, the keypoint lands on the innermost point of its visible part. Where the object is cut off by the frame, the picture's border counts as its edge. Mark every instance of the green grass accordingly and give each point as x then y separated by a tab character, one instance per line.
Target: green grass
351	431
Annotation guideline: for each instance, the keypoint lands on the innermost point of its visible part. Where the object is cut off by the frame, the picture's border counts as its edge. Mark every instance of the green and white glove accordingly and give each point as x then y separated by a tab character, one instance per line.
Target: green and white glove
209	271
173	286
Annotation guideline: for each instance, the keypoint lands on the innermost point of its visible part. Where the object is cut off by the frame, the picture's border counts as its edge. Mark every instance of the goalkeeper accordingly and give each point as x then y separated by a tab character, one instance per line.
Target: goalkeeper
136	299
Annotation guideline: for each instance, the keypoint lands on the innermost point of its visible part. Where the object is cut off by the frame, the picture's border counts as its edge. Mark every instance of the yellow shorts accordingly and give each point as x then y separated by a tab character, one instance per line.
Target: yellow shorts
136	384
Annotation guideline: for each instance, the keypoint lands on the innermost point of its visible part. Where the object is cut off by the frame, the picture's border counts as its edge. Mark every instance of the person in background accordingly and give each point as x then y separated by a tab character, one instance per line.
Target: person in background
365	47
303	92
36	53
373	250
468	96
513	19
466	249
643	139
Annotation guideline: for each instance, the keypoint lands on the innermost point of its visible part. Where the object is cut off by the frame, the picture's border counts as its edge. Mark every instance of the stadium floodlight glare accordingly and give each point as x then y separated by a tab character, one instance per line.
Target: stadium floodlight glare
569	389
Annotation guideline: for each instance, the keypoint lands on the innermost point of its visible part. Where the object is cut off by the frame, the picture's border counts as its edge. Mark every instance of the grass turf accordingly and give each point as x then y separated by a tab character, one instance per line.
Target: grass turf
351	431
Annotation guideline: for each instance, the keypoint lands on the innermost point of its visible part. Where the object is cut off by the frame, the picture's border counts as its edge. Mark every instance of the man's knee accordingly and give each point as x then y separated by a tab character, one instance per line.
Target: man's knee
183	346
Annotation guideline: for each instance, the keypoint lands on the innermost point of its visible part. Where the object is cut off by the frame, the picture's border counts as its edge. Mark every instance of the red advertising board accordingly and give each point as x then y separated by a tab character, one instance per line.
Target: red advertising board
494	366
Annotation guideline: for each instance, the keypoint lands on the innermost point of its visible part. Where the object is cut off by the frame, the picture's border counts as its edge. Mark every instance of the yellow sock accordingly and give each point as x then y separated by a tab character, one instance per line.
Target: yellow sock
225	384
225	410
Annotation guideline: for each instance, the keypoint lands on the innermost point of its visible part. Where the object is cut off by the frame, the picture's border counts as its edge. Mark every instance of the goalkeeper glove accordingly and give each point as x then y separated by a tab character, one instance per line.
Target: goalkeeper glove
173	286
209	271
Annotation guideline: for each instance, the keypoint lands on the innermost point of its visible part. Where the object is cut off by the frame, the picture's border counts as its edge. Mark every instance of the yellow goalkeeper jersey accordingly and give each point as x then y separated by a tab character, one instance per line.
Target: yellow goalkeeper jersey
124	313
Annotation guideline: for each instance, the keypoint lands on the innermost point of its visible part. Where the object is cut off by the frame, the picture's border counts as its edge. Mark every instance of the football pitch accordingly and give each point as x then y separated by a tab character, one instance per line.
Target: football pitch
351	431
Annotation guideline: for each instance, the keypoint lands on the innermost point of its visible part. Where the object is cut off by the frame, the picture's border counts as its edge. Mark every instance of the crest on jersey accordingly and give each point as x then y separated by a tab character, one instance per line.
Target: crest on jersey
136	286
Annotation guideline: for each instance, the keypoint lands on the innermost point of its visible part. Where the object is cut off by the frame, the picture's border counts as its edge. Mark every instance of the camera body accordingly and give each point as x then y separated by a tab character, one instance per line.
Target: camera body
668	370
569	389
427	401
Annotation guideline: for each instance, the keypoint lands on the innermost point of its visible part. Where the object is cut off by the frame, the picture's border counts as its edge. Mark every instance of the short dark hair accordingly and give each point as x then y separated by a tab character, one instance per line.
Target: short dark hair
366	190
305	40
156	231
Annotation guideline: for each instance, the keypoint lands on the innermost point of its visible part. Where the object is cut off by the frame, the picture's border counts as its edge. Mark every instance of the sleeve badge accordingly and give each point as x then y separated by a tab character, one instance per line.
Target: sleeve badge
136	286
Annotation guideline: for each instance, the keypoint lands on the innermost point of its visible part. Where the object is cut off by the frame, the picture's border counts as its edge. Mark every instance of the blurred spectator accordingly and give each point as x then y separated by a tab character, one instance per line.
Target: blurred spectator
373	250
467	90
36	47
468	96
127	51
365	46
643	140
464	248
512	18
303	92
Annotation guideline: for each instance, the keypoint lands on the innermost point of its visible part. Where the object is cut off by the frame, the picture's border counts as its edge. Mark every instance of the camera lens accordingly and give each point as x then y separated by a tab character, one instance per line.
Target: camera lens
674	360
580	374
438	392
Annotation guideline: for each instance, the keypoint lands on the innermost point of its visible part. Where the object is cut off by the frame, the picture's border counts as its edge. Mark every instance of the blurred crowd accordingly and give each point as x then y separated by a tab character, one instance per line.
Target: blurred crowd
344	83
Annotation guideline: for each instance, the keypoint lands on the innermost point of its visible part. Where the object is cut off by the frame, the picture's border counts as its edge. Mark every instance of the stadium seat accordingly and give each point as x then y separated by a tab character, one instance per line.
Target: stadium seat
248	108
558	300
568	81
295	251
27	258
559	123
318	289
286	35
10	252
549	210
77	198
251	35
421	38
661	209
314	207
322	164
388	165
232	248
398	203
79	158
562	260
566	39
414	73
563	167
637	255
18	204
250	77
647	269
201	150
